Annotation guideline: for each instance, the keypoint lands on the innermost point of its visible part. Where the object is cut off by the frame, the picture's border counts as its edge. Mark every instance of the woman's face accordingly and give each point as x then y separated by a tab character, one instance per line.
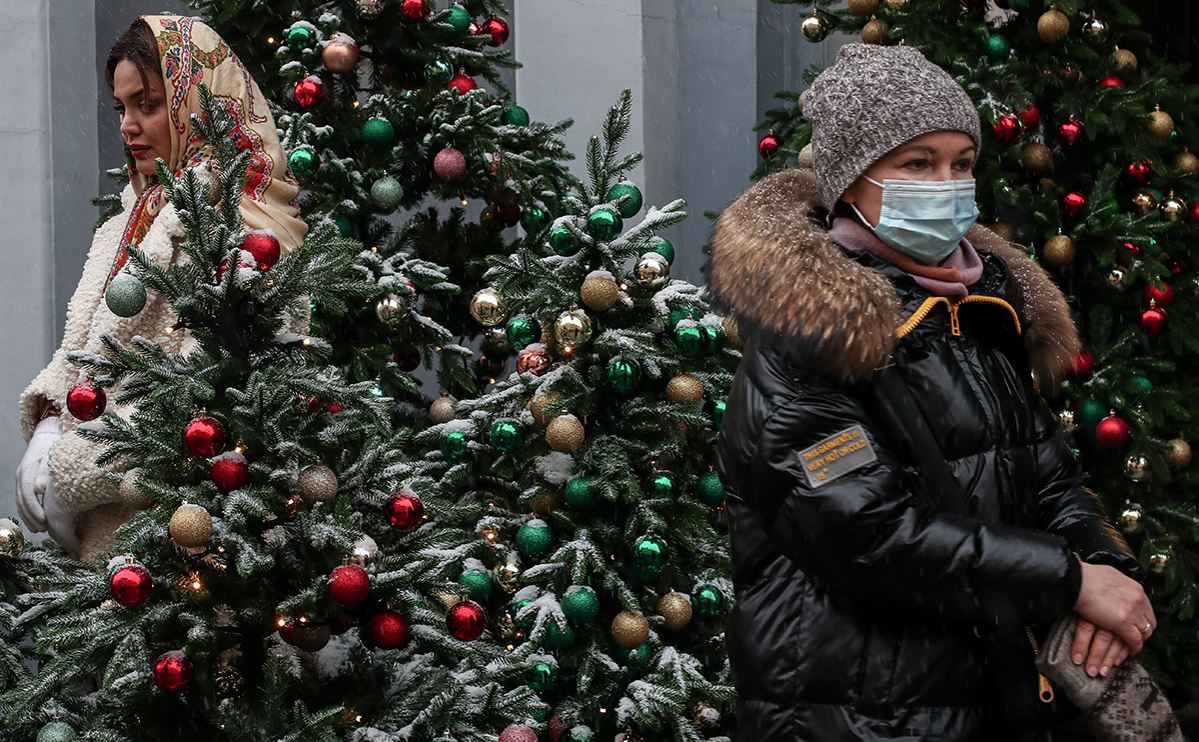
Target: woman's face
145	117
936	156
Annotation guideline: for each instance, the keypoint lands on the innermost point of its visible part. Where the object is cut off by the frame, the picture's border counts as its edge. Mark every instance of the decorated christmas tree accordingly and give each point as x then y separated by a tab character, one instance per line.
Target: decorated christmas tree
1085	161
584	484
271	584
381	111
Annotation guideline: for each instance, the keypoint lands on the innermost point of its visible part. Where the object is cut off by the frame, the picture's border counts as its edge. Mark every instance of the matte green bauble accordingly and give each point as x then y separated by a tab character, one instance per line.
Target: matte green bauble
1141	384
563	241
556	638
604	225
691	340
459	19
438	71
534	539
708	600
57	731
378	133
709	489
629	208
580	604
301	37
534	219
344	228
541	676
662	246
515	116
678	314
581	494
715	410
651	553
580	733
1091	413
304	162
523	330
998	47
125	296
478	582
454	445
506	434
386	193
663	485
623	374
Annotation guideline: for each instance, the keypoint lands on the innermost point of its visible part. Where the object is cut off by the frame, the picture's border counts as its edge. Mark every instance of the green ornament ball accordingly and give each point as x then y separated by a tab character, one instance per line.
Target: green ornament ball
125	296
301	37
1020	4
708	600
581	494
662	246
714	337
578	733
534	539
715	410
709	489
1141	384
1091	413
998	47
556	638
604	225
378	132
57	731
344	228
691	340
506	434
454	445
304	162
651	553
541	676
678	314
527	621
386	193
580	604
514	115
478	582
663	485
629	208
459	19
623	374
563	242
523	330
635	657
534	219
438	71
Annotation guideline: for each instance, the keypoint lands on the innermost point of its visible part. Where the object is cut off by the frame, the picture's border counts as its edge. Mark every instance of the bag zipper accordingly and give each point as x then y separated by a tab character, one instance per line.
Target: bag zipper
1044	690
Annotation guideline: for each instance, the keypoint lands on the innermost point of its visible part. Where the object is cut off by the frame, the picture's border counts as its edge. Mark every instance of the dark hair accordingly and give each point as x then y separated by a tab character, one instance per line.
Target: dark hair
136	45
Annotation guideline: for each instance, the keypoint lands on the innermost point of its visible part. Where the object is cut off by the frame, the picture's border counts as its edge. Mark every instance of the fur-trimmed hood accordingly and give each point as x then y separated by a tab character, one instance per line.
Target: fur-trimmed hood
779	272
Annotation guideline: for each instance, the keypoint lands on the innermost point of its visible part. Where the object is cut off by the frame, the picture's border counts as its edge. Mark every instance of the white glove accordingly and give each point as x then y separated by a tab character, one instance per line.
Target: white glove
33	473
60	522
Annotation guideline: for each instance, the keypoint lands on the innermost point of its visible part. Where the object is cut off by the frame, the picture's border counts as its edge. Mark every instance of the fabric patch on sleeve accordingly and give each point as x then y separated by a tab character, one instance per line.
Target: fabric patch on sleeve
836	456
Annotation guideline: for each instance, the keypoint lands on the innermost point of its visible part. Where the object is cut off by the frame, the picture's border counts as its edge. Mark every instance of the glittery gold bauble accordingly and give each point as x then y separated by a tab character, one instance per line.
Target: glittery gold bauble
12	538
1173	209
803	98
876	32
1003	230
1053	25
676	608
1124	58
131	495
317	484
732	334
1059	251
507	574
191	526
1160	124
1143	201
685	388
572	328
1037	158
539	406
805	159
310	637
863	7
629	629
543	503
599	293
1179	455
1186	162
442	410
488	307
1137	468
565	433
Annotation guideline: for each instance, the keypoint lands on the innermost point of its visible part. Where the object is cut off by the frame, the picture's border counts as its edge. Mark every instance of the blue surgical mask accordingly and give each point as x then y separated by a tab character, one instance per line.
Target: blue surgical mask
924	220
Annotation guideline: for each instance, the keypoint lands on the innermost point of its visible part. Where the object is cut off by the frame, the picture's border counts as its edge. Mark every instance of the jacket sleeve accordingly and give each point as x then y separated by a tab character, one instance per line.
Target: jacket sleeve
866	536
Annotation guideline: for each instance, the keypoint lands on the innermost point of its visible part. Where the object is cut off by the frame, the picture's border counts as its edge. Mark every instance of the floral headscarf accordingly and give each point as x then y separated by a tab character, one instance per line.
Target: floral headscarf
191	53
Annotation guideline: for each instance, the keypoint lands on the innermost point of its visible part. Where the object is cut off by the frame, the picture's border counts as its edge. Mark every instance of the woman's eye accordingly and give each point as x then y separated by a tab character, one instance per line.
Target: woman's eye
964	165
916	164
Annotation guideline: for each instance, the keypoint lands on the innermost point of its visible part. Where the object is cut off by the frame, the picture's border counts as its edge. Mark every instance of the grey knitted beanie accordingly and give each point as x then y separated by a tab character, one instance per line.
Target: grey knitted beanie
873	99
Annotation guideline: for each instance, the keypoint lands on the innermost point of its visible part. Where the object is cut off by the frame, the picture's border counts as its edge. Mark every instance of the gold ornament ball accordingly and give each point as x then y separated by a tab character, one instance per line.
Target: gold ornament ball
895	4
507	574
805	159
1173	209
1037	158
1003	230
1059	251
390	310
442	409
317	484
1186	162
340	54
191	526
539	405
652	270
1137	468
685	388
131	495
814	28
1158	563
803	97
676	608
1115	277
572	328
368	9
863	7
1143	201
1132	519
599	293
12	538
1094	30
1179	455
732	334
366	554
1124	58
505	626
310	637
565	433
543	503
629	629
1160	124
1053	25
876	32
488	307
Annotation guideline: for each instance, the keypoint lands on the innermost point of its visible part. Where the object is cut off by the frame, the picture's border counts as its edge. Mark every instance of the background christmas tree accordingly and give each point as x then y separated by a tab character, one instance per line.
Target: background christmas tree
1085	161
584	485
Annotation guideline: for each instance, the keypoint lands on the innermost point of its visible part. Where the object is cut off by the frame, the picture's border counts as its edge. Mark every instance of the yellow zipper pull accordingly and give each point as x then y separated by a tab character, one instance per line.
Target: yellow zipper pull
1046	690
954	324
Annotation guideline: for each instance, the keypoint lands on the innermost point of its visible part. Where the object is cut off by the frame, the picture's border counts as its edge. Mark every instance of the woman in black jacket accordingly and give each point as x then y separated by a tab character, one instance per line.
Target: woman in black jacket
905	514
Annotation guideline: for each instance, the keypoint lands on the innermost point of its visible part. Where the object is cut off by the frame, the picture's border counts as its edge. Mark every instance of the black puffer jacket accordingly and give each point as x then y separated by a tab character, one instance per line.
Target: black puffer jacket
860	604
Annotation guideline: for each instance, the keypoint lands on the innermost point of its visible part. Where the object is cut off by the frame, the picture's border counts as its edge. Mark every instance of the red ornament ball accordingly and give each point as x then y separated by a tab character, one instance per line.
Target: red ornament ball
1193	213
1030	116
1074	203
769	145
230	471
310	91
1176	266
449	164
285	633
405	511
407	358
1139	173
414	10
1111	81
509	216
497	28
1082	366
463	83
264	246
172	671
320	404
1154	321
388	629
1161	296
533	360
466	621
246	261
518	733
349	585
1111	432
1070	133
131	585
556	727
86	400
1007	129
204	437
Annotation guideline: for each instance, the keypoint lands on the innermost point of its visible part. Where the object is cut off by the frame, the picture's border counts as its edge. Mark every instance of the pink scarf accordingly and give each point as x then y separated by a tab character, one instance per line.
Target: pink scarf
948	278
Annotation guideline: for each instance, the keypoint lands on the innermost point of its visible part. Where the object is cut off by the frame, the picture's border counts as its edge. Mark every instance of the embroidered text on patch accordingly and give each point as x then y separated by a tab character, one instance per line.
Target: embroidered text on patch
836	456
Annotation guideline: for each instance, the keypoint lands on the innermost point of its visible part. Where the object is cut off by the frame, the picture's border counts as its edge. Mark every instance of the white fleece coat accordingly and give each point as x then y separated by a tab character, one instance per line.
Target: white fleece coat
78	483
